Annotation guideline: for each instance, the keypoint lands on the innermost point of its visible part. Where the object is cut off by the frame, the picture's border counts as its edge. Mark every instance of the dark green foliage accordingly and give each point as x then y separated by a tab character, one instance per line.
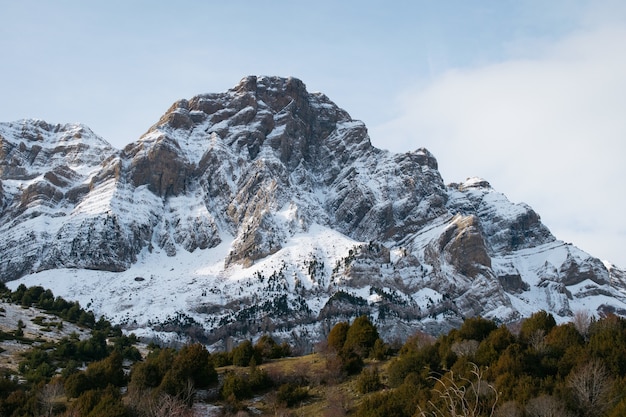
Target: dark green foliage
150	373
361	336
193	363
476	328
259	380
222	359
539	323
244	353
37	366
238	386
13	396
191	366
19	331
106	372
352	363
76	384
172	372
420	364
44	299
337	336
235	385
352	343
398	403
94	348
98	375
267	348
607	340
380	350
291	394
545	364
493	345
125	345
101	403
368	381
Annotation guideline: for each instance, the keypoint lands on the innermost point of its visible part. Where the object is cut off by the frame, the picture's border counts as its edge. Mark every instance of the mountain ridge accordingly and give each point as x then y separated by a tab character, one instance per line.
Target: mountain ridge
257	181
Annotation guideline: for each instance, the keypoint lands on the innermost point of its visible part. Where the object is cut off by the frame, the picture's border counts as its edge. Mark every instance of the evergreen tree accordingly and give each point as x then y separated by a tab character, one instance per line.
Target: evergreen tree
361	337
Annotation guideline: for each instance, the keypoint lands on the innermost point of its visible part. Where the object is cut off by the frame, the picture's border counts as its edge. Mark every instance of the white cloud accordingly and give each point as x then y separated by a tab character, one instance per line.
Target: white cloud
548	129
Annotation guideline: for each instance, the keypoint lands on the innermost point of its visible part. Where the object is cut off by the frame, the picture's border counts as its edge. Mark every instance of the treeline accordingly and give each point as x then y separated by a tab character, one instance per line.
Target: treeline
481	369
533	369
104	374
49	373
45	300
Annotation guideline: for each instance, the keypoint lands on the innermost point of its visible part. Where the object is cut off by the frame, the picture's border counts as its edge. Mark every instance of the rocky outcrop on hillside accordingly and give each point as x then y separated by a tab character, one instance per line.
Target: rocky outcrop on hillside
308	221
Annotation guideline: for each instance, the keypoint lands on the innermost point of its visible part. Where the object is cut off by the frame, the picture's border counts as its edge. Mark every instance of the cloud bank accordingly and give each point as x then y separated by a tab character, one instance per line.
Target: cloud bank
547	128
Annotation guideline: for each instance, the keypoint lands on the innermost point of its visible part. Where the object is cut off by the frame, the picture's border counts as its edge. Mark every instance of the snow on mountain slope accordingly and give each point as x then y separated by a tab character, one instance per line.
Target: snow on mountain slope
266	209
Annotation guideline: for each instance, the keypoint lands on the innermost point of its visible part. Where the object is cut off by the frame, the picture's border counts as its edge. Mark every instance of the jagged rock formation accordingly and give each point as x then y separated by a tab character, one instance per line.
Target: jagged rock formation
285	217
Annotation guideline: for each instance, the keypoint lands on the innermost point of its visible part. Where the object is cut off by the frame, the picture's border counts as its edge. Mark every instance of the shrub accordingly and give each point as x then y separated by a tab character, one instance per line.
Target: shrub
150	373
108	371
267	348
361	336
76	384
244	353
291	394
337	336
368	381
235	386
538	323
193	362
476	328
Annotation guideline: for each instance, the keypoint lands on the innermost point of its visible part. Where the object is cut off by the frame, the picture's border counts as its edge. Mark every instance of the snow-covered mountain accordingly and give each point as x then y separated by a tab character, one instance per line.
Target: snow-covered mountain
267	209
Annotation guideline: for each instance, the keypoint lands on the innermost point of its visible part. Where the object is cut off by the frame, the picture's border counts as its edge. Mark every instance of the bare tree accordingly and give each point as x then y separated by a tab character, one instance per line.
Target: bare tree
463	397
582	321
49	396
465	347
547	406
146	404
509	409
537	340
170	406
591	385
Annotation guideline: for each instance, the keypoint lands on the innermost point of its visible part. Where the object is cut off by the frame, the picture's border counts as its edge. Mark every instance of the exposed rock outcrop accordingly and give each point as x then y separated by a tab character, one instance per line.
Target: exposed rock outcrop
302	222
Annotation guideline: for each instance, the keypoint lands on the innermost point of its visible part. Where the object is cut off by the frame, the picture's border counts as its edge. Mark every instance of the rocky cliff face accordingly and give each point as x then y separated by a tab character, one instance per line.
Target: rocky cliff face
266	208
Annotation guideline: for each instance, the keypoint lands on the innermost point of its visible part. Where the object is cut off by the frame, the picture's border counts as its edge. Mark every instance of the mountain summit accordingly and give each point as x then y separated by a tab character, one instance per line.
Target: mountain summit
267	209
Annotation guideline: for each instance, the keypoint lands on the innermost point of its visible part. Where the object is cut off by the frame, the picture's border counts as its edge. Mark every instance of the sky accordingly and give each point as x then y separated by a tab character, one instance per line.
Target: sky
527	94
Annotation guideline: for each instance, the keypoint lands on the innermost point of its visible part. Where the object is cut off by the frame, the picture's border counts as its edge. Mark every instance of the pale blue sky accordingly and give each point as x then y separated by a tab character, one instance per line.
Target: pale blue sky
528	94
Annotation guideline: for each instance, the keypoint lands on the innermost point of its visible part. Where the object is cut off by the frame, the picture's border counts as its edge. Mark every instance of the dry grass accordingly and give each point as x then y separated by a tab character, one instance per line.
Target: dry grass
328	395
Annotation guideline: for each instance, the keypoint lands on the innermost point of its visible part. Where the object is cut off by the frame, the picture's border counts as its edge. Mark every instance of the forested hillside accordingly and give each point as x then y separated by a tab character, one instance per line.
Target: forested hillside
536	368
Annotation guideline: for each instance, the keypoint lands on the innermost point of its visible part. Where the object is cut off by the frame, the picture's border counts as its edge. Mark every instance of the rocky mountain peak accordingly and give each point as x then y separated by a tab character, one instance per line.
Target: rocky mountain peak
268	204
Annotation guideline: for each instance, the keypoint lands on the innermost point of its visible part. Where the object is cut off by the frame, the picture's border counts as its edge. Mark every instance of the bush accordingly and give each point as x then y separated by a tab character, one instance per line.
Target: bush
291	394
194	362
235	386
368	381
108	371
539	323
476	328
244	353
76	384
267	348
106	403
337	336
150	373
361	337
351	363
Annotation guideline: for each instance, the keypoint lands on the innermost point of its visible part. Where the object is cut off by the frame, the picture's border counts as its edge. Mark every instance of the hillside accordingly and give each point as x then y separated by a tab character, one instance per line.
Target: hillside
536	368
